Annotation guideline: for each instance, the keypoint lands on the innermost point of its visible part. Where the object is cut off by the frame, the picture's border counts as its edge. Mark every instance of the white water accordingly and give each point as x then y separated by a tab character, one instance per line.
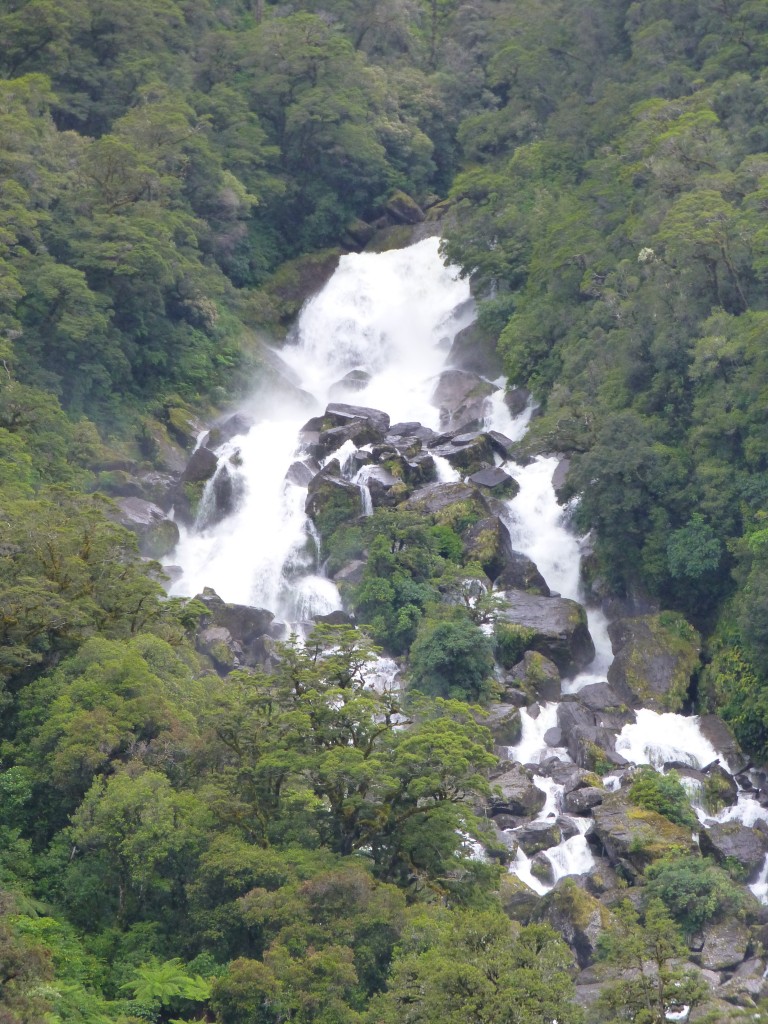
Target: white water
392	315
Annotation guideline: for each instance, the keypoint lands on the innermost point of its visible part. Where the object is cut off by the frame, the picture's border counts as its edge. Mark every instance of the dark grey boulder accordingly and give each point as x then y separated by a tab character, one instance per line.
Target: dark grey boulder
495	480
448	503
301	472
504	723
722	739
537	676
331	501
355	380
732	841
521	573
234	426
542	868
201	466
516	400
248	627
474	349
725	945
581	801
467	453
218	644
559	628
351	573
538	835
517	794
577	916
654	659
461	397
487	542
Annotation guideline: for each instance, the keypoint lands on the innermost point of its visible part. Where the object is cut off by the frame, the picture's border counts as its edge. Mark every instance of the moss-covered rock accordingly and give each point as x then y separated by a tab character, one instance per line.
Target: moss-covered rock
559	625
487	542
633	837
456	505
296	281
577	916
331	502
518	900
654	659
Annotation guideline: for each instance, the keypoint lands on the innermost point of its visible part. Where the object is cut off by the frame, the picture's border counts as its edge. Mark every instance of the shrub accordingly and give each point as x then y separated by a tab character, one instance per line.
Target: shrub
664	794
694	890
452	658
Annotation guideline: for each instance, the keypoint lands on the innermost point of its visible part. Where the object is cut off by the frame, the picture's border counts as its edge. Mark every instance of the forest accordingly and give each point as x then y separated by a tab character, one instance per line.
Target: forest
270	844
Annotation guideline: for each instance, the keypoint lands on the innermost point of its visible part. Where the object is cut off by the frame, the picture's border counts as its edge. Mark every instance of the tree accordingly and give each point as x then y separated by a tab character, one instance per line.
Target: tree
477	967
452	658
652	983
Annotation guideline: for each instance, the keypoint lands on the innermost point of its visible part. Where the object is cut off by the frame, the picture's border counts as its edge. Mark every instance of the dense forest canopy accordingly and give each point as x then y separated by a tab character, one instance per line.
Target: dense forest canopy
272	847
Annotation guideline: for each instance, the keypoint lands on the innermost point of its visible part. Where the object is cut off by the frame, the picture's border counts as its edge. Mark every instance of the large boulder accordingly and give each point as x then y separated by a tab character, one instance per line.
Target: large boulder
518	900
720	735
217	643
538	835
577	916
496	481
515	792
521	573
461	398
331	501
451	504
487	542
504	723
235	425
558	627
156	534
537	676
731	841
654	659
249	629
468	452
632	837
474	349
725	945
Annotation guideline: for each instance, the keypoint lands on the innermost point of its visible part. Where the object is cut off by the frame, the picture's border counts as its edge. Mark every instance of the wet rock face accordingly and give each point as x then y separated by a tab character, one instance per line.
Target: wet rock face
488	543
521	573
460	396
654	659
474	349
559	628
469	452
518	794
331	501
537	676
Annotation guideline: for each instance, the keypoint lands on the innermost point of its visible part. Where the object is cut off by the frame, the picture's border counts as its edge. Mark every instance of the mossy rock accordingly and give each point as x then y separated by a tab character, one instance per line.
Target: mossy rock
518	900
655	658
633	837
298	280
331	502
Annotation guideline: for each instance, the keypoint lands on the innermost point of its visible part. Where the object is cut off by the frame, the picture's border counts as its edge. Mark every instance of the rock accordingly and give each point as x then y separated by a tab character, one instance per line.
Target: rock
166	454
554	738
247	626
539	835
558	628
517	793
467	453
461	399
336	618
499	483
501	444
722	739
720	789
606	704
451	504
654	659
301	473
518	900
236	425
474	349
542	868
217	643
227	487
488	543
183	427
355	380
521	573
157	535
403	209
576	915
591	745
538	676
581	801
733	841
725	945
560	477
516	400
358	233
633	837
747	986
201	466
331	502
350	574
504	722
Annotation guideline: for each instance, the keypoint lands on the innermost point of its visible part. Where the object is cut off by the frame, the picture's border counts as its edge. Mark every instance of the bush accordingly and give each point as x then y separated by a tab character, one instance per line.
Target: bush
664	794
512	641
694	890
452	658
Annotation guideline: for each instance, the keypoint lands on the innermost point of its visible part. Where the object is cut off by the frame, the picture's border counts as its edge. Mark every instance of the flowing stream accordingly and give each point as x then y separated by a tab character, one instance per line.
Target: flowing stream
392	317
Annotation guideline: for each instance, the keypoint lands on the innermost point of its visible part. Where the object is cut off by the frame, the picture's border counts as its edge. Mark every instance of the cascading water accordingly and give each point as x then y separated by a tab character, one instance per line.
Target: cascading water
393	317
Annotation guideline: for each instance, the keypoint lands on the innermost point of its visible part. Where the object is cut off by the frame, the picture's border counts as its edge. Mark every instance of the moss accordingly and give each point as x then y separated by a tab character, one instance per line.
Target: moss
671	635
460	515
577	905
511	643
717	793
596	760
655	836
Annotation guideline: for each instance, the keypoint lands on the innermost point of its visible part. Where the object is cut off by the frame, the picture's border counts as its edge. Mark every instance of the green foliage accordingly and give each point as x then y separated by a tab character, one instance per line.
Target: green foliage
452	964
452	658
695	891
664	794
511	642
648	952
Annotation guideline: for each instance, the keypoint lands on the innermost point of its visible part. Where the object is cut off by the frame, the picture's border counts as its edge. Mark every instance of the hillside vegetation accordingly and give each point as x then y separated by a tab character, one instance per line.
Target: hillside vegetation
270	847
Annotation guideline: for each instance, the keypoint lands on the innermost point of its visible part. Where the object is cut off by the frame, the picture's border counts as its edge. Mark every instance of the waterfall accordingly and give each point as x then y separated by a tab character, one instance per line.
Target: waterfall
392	315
